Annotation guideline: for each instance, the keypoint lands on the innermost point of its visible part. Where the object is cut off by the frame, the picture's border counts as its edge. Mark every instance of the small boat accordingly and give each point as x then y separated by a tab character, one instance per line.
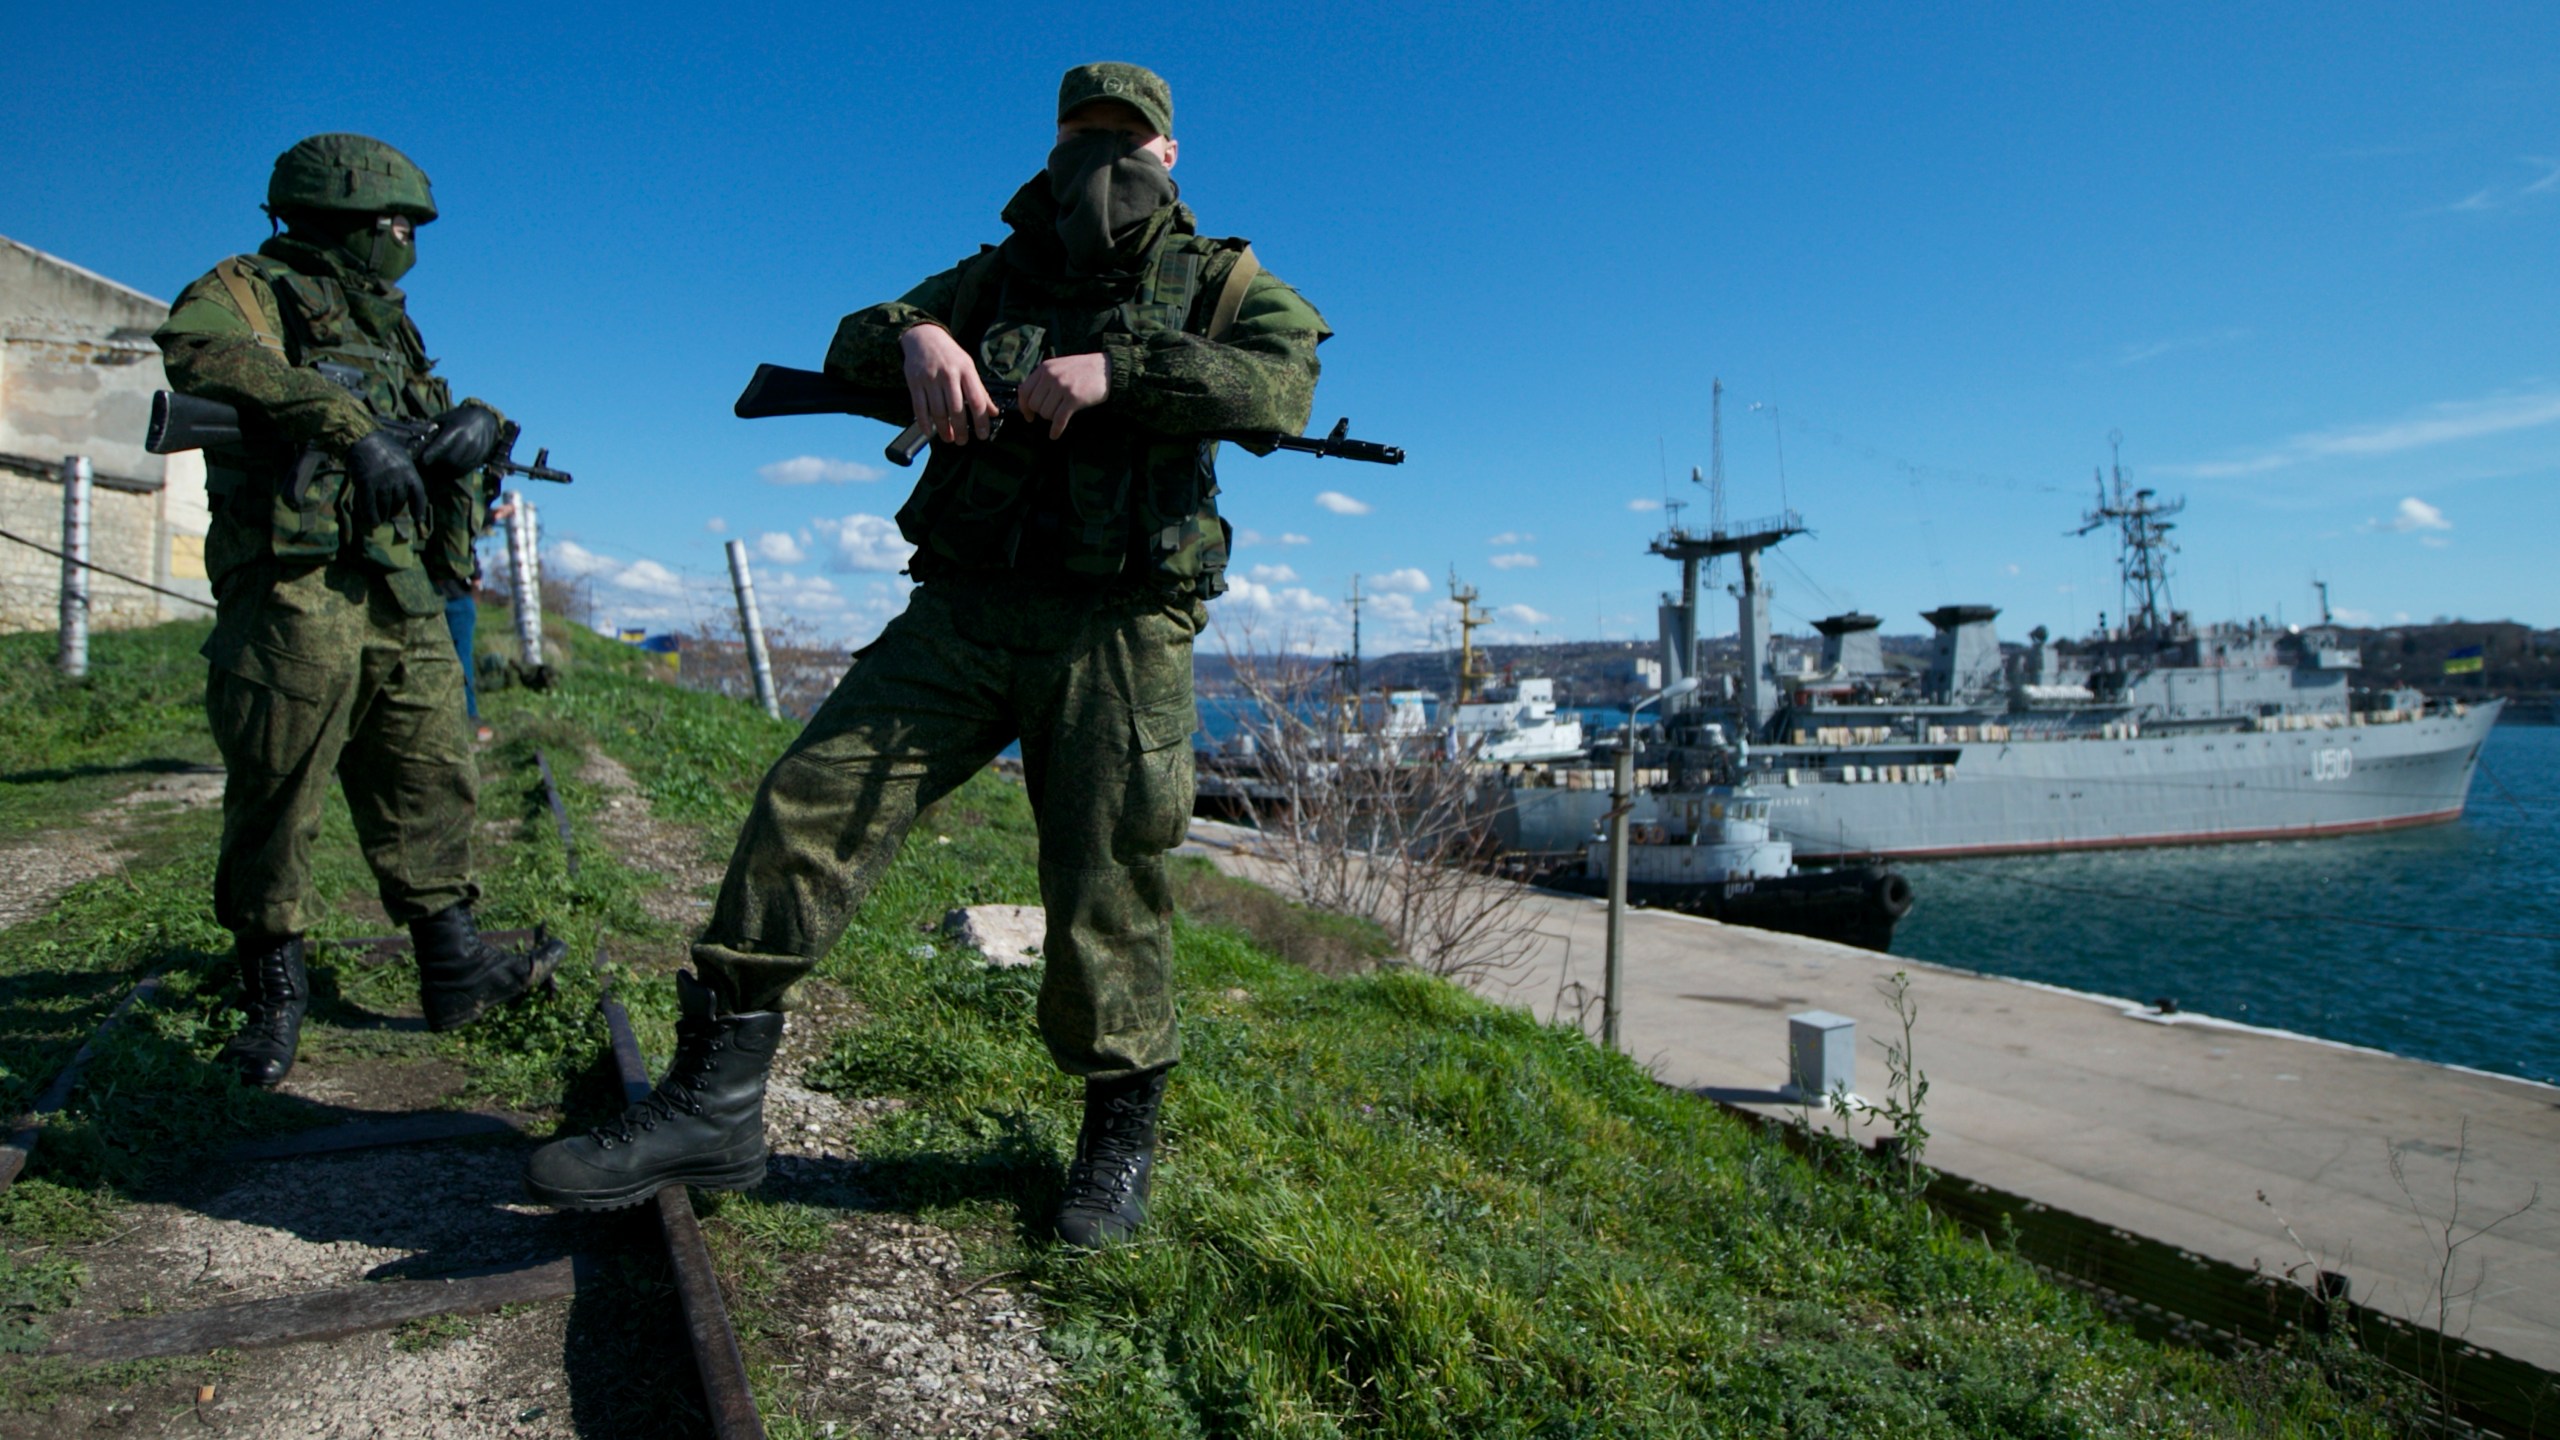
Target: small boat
1709	851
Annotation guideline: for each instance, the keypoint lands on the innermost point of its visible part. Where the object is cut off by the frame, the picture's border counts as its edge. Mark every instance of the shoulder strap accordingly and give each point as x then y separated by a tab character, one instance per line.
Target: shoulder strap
235	275
1222	316
972	288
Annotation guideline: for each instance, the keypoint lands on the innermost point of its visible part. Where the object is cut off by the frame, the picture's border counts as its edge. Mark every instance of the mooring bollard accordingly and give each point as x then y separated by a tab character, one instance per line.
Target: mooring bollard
751	625
75	566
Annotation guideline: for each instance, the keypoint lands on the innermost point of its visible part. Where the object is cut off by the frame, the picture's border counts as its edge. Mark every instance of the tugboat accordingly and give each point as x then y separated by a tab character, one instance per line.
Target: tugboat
1709	850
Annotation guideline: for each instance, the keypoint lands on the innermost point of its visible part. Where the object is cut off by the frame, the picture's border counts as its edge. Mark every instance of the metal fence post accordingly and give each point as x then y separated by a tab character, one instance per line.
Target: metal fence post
1622	798
75	566
751	625
524	576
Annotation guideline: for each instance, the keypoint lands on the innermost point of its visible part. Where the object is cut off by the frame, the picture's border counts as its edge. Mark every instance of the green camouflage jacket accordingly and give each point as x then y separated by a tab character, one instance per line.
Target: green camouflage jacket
249	333
1127	497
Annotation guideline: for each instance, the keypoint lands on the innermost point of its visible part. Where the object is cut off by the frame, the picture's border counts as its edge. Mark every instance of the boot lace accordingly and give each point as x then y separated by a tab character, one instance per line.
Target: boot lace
1104	1175
678	1094
271	1013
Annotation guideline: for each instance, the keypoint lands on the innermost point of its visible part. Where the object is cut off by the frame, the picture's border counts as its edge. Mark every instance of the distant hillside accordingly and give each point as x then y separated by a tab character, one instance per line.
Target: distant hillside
2519	662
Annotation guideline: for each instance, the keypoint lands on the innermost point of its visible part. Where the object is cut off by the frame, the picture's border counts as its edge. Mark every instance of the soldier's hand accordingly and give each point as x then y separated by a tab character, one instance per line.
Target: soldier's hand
943	383
1063	386
386	482
463	440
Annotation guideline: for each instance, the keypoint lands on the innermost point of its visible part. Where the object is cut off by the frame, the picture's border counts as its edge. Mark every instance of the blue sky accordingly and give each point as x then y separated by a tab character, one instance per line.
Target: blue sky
2301	257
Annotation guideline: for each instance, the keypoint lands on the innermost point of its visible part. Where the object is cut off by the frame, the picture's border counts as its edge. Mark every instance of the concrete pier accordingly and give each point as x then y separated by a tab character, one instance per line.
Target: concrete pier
2435	1190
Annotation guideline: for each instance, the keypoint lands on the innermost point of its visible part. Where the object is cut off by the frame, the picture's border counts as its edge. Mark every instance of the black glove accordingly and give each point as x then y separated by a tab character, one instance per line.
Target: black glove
462	441
385	481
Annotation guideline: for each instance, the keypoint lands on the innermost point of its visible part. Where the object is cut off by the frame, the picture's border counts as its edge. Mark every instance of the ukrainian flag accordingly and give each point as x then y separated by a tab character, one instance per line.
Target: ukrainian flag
2465	661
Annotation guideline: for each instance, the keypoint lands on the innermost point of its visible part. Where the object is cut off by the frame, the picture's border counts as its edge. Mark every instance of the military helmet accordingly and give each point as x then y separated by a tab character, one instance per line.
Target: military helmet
354	173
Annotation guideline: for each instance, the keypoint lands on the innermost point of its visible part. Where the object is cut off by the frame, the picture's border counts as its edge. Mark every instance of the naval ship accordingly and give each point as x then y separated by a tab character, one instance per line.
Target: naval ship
2154	731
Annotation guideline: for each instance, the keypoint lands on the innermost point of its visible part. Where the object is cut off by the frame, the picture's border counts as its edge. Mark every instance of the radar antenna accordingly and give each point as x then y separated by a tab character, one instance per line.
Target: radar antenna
2142	526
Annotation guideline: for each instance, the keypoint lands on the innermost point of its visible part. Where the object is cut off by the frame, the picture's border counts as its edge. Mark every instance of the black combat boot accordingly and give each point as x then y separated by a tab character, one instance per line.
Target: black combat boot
702	1126
461	976
1106	1199
275	989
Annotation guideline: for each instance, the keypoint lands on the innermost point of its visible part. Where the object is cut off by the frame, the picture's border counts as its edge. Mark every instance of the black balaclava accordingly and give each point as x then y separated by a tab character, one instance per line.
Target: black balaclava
1107	188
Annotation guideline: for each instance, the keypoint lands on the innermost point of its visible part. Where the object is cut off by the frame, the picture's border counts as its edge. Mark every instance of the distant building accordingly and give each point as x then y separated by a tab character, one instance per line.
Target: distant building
77	368
1642	671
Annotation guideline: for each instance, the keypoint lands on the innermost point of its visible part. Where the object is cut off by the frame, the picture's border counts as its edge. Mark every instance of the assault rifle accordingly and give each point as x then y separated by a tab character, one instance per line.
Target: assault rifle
781	390
191	422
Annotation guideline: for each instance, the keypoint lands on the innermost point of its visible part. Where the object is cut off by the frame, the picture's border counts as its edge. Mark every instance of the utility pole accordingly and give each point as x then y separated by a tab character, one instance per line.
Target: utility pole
1622	798
75	566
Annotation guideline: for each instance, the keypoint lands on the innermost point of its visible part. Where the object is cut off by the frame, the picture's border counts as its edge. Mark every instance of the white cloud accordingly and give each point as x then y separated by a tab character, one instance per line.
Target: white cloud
716	525
818	470
2153	350
1292	538
651	578
1408	580
2498	197
1514	561
865	542
1295	600
1339	503
779	548
570	558
2416	514
2010	570
1512	537
1642	506
2441	424
1273	574
1523	615
1246	537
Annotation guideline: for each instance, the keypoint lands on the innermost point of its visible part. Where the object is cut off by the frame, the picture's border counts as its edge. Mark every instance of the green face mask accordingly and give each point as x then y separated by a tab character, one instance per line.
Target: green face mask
381	252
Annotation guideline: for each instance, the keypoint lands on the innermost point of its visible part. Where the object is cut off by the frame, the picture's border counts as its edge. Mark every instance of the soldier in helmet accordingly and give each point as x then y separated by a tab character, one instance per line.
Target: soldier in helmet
1061	562
332	551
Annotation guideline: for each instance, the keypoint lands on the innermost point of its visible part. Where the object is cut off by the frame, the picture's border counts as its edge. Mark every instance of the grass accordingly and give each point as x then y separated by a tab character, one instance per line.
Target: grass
1386	1208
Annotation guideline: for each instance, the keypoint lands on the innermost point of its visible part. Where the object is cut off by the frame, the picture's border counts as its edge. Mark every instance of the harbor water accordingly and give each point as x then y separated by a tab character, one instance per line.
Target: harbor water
2441	943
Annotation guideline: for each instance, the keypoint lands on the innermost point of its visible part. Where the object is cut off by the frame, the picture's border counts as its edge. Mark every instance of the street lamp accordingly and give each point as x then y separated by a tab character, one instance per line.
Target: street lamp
1622	798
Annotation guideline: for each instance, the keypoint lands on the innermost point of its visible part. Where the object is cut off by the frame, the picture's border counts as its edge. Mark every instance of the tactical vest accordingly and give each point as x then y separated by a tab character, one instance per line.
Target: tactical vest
295	506
1109	502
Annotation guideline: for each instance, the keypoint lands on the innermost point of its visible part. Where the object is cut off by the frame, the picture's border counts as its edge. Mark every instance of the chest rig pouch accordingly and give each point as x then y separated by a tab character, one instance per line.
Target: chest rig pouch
1107	502
366	346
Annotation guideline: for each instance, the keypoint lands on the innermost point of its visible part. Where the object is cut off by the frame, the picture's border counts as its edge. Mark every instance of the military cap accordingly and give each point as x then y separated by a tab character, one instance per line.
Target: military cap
351	173
1135	86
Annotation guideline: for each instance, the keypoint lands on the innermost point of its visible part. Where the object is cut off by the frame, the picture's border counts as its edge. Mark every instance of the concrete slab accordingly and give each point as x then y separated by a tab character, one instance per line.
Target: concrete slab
2435	1189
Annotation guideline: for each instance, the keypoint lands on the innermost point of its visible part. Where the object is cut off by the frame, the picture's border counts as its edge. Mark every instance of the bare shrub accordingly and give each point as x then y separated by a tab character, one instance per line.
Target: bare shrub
1360	821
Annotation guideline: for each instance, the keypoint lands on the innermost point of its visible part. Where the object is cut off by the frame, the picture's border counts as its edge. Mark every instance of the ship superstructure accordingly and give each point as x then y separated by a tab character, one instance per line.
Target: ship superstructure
2153	731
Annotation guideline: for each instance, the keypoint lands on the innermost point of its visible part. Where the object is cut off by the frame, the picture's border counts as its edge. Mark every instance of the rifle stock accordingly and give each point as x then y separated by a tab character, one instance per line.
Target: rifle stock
781	390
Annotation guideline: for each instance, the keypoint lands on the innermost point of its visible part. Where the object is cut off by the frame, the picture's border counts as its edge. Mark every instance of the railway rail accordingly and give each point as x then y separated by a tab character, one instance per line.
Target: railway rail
346	1310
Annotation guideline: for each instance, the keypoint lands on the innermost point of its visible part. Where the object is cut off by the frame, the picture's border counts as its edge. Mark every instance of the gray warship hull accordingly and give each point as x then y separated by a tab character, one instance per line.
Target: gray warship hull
2072	792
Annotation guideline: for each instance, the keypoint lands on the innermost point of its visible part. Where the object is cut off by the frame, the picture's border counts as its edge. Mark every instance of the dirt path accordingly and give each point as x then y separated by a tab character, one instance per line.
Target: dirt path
879	1322
35	873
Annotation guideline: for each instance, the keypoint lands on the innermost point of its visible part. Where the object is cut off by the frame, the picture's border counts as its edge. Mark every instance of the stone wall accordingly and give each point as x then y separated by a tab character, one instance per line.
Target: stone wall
77	368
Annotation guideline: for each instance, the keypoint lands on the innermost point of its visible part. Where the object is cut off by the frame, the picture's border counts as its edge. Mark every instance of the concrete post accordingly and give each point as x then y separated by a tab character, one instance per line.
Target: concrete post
1622	798
524	577
75	569
751	625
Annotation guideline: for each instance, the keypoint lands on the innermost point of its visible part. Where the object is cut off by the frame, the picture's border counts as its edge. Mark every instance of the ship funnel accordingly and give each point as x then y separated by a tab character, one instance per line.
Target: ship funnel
1964	660
1850	645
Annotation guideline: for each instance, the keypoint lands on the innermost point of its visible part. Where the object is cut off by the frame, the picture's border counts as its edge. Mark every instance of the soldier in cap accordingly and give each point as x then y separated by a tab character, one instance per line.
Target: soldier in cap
1062	561
332	552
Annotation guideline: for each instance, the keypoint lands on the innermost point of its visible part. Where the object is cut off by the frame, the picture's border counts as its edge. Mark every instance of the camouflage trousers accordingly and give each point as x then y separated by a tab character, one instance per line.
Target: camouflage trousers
1098	690
318	672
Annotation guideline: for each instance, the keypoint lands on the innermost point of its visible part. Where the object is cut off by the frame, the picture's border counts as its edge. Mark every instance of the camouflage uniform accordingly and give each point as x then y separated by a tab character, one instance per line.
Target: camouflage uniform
1061	584
329	650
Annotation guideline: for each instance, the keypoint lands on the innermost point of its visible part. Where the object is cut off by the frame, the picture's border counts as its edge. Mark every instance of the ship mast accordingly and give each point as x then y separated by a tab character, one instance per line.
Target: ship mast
1746	540
2142	526
1471	676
